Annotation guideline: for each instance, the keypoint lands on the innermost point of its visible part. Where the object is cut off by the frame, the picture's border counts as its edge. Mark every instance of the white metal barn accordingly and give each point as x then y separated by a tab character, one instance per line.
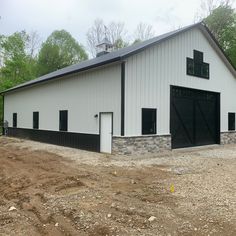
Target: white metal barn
175	90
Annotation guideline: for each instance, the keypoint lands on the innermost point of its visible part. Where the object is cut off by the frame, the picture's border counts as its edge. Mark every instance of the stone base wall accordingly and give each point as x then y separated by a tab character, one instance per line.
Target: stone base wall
140	144
228	137
154	143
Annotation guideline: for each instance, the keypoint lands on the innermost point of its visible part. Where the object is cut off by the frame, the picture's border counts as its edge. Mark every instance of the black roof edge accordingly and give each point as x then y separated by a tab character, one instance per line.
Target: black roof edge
61	75
217	43
161	40
119	58
123	57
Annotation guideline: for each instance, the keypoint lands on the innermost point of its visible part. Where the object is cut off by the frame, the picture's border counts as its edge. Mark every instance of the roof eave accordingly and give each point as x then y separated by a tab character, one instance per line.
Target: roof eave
161	40
218	49
200	25
62	75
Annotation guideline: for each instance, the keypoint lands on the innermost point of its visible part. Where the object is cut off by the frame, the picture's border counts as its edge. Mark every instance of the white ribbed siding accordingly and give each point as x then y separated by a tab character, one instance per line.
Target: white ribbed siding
82	94
150	73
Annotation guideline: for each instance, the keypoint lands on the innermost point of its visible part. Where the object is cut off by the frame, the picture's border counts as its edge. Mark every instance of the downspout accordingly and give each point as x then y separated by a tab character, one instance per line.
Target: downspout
122	132
2	114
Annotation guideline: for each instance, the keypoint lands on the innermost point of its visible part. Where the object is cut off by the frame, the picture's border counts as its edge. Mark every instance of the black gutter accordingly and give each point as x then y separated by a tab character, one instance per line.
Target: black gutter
122	131
64	74
118	58
122	57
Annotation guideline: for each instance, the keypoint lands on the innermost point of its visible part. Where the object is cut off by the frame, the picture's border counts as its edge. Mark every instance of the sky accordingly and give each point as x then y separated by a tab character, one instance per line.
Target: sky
76	16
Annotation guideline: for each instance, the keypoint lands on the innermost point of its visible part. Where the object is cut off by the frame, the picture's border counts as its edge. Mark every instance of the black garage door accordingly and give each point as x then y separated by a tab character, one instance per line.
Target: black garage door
194	117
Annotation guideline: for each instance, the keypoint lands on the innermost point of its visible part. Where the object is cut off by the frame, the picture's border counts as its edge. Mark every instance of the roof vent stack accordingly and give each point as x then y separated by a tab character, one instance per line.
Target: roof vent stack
104	47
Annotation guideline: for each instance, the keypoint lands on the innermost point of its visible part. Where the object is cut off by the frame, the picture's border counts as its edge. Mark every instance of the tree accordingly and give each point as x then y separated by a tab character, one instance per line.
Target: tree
117	34
33	44
222	23
59	50
17	65
114	31
1	50
120	43
143	32
207	6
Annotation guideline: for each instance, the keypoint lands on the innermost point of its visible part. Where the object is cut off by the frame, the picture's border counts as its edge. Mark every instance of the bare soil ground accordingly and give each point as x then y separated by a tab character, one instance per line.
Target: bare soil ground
63	191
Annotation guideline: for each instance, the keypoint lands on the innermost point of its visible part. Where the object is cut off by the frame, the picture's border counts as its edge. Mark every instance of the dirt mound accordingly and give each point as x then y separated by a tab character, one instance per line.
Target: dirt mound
42	193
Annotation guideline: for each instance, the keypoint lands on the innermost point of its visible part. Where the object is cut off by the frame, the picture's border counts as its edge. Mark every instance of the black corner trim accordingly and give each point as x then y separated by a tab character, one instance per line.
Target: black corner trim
3	114
122	131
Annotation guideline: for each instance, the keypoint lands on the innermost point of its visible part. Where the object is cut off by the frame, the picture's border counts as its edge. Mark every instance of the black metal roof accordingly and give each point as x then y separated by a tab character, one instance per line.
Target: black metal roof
114	56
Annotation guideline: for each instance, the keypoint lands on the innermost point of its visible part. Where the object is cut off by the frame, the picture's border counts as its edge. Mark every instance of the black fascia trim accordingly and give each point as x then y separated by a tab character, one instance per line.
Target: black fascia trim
217	44
118	58
159	41
62	75
200	24
122	129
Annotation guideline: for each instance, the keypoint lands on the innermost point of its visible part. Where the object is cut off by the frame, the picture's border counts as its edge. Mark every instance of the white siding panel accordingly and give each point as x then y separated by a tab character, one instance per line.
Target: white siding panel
150	73
83	95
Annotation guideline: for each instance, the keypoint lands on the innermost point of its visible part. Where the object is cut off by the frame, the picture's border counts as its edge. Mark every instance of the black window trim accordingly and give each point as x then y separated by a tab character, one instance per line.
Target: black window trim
60	126
195	62
37	126
231	127
14	120
195	54
155	128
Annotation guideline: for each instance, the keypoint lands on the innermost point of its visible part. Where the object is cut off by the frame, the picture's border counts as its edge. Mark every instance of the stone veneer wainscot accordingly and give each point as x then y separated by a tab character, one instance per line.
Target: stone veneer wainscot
140	144
228	137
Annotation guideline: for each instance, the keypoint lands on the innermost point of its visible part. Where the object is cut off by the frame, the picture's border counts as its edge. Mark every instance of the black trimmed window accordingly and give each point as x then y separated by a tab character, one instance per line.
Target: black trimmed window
196	66
35	120
14	120
149	121
231	121
63	120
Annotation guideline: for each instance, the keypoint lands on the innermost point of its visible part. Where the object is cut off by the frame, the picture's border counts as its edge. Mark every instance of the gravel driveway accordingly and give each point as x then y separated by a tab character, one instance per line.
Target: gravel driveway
64	191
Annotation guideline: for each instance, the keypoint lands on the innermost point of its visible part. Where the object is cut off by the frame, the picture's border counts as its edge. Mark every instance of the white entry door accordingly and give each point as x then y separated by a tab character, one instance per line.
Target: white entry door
105	132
